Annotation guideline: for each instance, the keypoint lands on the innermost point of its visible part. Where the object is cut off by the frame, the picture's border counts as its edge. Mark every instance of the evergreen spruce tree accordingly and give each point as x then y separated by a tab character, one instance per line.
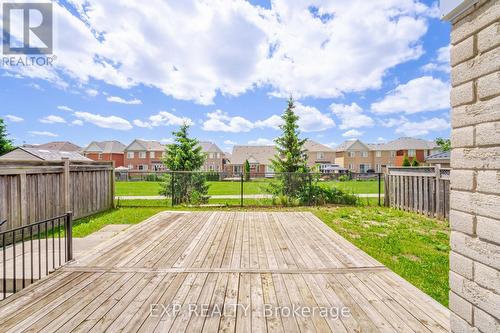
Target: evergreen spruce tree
290	162
415	163
247	170
185	154
406	161
291	153
5	142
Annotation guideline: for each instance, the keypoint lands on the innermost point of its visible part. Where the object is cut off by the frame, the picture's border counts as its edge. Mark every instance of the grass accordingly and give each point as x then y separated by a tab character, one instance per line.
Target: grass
413	246
142	188
125	215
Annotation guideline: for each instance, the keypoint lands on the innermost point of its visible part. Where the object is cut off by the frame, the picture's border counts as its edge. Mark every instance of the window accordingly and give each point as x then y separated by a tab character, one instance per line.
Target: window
378	168
351	166
142	154
320	155
130	154
364	154
131	167
211	155
151	154
393	153
364	167
352	154
378	153
412	152
99	156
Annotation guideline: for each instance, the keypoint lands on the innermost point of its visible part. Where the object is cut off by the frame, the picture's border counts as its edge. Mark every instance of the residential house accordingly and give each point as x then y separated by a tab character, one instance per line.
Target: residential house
215	158
358	156
142	155
441	159
106	151
37	154
319	155
259	158
57	146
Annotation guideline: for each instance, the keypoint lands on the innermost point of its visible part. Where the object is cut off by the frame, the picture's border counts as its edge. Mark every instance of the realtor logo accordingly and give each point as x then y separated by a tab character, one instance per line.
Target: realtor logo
27	28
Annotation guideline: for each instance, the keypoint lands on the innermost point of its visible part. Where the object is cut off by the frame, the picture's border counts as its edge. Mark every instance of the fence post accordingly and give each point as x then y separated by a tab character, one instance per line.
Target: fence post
66	180
241	190
172	187
113	190
379	183
69	235
310	188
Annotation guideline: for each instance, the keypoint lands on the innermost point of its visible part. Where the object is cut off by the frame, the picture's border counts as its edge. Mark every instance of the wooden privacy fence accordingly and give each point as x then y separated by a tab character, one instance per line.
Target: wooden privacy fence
425	190
32	191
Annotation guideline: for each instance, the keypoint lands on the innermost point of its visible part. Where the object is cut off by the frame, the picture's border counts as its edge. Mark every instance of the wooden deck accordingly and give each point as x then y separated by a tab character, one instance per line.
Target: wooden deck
228	272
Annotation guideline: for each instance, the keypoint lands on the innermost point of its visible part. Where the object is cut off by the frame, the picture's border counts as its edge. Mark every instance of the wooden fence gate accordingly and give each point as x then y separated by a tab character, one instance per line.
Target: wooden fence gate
32	191
424	190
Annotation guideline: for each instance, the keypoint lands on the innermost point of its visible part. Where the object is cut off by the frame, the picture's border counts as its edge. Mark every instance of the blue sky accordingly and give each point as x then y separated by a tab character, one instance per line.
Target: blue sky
373	70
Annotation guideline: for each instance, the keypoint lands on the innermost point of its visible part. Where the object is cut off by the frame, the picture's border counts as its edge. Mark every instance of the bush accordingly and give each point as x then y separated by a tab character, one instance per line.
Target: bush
320	195
212	176
152	177
415	163
187	188
406	161
343	178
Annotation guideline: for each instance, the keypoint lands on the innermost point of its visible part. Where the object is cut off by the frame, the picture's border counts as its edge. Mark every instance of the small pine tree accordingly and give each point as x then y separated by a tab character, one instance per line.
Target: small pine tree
415	163
406	161
5	142
444	144
291	153
185	154
247	170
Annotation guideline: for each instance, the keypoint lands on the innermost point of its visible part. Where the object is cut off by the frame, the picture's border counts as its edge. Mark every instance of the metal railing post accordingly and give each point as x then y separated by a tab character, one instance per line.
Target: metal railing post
241	190
69	235
379	183
172	188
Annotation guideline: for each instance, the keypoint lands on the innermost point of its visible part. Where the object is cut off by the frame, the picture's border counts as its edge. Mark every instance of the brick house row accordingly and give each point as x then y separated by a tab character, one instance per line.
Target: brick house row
357	156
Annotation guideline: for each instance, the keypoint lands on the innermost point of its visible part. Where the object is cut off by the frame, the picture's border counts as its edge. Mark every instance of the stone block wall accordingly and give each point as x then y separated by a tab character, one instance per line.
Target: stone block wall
475	178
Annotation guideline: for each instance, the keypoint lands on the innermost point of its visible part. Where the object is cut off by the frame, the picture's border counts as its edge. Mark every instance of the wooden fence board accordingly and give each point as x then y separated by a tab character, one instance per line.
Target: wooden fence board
31	191
424	190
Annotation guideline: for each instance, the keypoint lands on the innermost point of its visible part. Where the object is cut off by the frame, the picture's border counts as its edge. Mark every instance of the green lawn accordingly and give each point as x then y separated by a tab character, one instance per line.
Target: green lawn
233	188
413	246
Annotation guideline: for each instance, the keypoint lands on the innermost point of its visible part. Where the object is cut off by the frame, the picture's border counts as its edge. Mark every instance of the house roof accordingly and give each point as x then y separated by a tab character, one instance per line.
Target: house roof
409	143
57	145
49	155
314	146
145	145
210	147
398	144
254	154
105	147
443	155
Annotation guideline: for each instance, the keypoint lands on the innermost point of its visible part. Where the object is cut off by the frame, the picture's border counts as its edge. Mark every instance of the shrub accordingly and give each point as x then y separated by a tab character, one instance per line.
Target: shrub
406	161
152	177
415	163
343	178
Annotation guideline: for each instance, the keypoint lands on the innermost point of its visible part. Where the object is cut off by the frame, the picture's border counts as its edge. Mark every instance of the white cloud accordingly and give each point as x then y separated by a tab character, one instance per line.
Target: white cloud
416	128
392	122
230	142
219	121
13	118
112	122
352	134
351	115
166	140
65	108
116	99
261	142
311	119
77	122
52	119
272	122
381	139
142	124
194	49
441	63
43	133
418	95
92	92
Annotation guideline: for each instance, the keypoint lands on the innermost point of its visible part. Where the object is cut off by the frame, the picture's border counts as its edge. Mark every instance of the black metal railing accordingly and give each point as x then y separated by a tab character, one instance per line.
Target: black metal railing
33	251
301	188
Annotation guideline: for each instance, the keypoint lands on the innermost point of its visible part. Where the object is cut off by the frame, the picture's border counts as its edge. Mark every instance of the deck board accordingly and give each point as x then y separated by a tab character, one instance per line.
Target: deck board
225	271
